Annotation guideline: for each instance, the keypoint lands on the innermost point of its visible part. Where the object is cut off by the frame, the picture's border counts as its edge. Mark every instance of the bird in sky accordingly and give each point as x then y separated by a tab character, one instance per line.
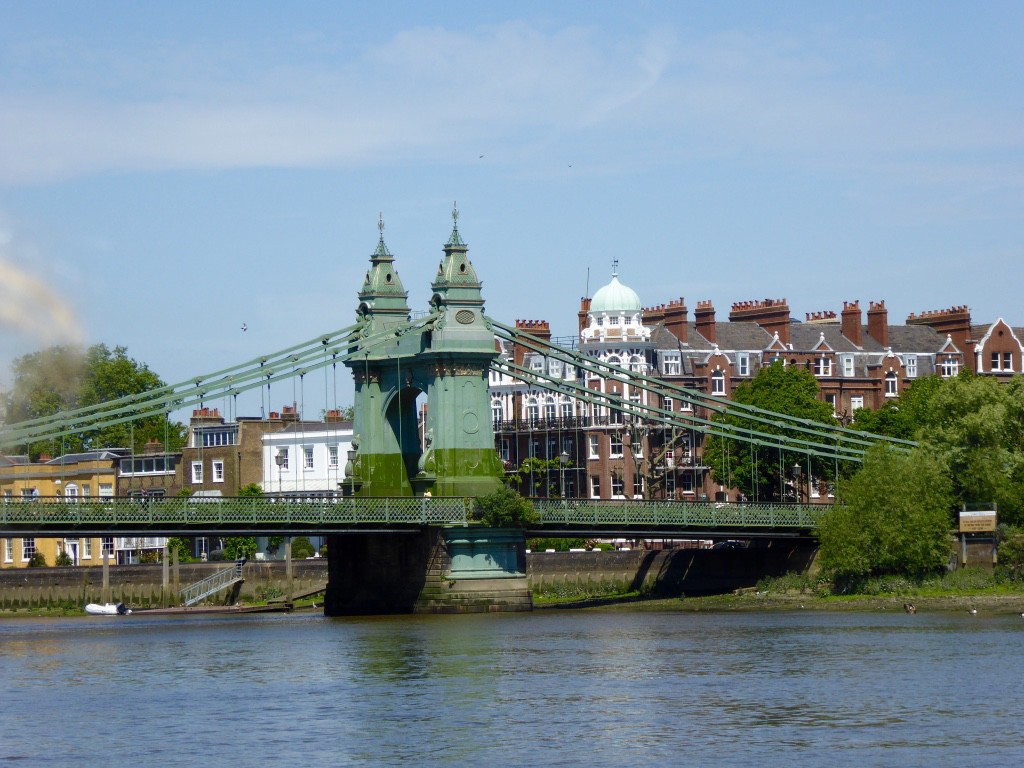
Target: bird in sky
245	327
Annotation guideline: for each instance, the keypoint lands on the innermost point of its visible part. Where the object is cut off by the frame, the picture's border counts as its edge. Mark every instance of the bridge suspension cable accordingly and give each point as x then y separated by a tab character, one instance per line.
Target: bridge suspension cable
804	435
296	360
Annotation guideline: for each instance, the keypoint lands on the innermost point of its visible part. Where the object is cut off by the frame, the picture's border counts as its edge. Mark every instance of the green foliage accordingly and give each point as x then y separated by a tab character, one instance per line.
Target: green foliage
179	545
894	516
185	492
61	378
543	477
975	426
760	473
504	508
301	548
63	560
1011	553
559	545
236	547
38	560
252	490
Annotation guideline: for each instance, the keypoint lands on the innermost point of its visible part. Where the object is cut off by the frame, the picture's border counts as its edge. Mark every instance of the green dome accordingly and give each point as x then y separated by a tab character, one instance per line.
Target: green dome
615	297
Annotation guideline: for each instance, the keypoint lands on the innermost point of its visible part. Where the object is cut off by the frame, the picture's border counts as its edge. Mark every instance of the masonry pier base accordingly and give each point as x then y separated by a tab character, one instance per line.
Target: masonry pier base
466	569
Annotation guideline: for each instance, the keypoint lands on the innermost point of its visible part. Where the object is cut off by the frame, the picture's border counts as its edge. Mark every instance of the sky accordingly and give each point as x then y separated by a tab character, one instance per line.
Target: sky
172	172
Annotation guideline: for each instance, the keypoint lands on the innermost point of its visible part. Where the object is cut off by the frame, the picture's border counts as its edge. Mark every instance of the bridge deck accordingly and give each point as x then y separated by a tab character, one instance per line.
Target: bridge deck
190	517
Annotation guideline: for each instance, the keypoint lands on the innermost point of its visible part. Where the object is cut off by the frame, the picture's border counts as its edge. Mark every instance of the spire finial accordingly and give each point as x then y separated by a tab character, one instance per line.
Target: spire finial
380	223
615	267
455	239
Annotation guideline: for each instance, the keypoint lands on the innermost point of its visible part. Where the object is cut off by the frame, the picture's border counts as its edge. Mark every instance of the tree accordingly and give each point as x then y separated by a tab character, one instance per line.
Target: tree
302	548
894	516
252	490
974	425
63	378
760	471
504	508
238	547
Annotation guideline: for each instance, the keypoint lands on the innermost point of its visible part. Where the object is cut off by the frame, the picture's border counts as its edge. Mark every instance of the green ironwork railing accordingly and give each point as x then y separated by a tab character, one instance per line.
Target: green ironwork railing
190	516
584	513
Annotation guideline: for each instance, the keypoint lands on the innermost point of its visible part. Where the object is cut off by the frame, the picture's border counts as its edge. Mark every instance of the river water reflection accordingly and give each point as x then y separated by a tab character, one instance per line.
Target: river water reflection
547	688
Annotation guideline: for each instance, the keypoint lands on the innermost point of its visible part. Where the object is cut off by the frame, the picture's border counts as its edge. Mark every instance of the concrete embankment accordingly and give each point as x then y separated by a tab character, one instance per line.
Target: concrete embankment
668	573
143	586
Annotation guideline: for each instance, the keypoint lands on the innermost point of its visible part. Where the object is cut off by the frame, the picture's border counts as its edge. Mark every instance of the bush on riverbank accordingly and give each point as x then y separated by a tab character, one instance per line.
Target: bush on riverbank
964	581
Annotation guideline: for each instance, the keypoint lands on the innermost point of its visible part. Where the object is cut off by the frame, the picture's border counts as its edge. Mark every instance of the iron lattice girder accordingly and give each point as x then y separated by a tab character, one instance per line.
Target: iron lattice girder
814	438
298	360
50	516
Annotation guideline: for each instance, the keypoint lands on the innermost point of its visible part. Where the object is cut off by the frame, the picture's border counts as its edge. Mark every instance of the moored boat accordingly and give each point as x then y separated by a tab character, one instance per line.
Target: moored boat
107	609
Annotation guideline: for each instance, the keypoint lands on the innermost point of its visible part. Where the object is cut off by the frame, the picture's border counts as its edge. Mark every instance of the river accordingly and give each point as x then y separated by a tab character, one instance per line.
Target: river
551	688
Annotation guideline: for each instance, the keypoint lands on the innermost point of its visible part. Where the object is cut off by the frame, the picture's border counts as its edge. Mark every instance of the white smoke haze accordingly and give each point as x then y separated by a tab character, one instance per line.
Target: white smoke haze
29	307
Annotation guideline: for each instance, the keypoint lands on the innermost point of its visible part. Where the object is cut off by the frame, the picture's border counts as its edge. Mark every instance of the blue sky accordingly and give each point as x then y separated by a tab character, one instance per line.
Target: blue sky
170	171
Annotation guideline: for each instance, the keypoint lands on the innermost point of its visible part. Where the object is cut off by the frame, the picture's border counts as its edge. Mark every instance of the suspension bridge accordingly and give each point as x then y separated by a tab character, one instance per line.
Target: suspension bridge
445	353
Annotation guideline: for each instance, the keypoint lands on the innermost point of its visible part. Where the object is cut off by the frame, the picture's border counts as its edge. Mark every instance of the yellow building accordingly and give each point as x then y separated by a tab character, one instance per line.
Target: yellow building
86	475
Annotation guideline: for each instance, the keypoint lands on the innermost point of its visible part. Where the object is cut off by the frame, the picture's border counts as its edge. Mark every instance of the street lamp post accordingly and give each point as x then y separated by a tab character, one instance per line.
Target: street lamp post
279	459
796	483
563	459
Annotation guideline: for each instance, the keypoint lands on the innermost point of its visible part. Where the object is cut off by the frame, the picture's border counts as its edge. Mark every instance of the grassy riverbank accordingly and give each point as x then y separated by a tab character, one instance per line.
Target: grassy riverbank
982	590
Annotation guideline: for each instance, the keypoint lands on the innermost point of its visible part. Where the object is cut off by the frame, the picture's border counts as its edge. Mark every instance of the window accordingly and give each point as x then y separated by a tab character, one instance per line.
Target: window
831	400
28	549
537	364
282	453
332	457
667	404
8	550
823	366
617	488
532	411
847	361
549	409
1002	361
614	416
996	361
555	368
107	546
535	447
197	471
949	367
743	363
1007	361
214	437
566	408
670	485
87	549
106	490
595	487
718	383
592	441
910	366
497	412
856	402
71	491
506	449
613	320
616	445
687	483
218	471
671	364
149	465
891	385
86	492
307	457
638	486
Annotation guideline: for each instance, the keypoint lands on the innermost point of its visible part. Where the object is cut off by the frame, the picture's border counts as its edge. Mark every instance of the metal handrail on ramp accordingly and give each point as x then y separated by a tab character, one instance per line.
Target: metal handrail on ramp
212	584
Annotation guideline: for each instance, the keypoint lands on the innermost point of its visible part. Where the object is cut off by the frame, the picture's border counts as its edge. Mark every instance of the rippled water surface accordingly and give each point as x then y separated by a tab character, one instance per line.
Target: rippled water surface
548	688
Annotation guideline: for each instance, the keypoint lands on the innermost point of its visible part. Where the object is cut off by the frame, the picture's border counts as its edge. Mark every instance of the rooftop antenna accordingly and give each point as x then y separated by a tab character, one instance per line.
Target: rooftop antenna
587	294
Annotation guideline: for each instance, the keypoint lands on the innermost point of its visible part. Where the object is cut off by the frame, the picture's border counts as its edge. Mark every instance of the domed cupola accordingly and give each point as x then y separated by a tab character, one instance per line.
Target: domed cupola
615	297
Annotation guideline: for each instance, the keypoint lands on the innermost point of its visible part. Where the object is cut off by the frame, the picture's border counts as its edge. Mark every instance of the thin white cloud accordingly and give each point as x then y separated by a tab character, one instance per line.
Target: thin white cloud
430	93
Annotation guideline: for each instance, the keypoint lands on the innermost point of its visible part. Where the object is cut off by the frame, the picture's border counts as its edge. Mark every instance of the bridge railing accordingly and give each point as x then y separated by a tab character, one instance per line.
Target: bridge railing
62	513
197	514
676	514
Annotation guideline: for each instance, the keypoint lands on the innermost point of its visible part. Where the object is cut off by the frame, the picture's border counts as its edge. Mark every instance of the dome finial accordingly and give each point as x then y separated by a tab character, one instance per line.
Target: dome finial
615	267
